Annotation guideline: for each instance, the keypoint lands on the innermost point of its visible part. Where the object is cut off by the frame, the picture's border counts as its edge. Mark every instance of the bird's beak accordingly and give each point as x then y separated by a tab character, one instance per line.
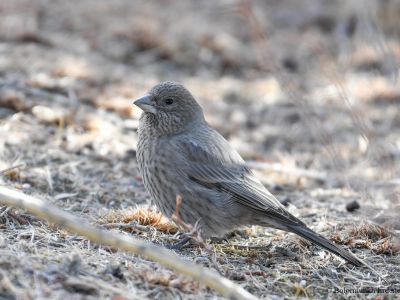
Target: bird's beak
145	104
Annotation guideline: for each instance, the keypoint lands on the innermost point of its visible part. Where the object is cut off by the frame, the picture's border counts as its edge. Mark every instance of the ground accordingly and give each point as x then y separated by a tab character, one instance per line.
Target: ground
306	91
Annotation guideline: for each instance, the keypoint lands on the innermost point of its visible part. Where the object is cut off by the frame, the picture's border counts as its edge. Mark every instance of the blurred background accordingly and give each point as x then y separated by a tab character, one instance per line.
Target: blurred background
307	91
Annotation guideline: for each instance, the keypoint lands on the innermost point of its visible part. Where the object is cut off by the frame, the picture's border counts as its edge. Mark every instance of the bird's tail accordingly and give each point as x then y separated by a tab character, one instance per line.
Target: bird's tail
323	242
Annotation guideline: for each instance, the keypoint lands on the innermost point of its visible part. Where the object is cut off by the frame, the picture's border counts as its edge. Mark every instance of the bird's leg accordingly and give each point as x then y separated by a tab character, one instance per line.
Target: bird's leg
185	239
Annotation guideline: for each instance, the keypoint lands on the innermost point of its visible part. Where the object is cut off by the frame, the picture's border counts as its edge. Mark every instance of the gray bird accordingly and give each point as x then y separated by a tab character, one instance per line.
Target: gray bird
179	153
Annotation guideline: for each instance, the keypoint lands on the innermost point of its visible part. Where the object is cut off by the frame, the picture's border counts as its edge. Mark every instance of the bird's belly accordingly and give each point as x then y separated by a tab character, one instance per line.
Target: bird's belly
215	216
156	181
213	219
162	192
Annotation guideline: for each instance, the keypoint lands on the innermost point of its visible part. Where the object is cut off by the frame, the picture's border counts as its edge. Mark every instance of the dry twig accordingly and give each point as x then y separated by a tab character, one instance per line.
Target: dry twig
12	168
165	257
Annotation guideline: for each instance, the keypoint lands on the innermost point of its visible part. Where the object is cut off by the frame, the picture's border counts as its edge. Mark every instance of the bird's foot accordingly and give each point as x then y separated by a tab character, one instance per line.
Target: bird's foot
219	240
185	240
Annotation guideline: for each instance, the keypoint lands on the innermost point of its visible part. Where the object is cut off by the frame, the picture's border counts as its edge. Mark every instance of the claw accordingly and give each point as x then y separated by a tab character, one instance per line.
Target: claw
219	240
181	244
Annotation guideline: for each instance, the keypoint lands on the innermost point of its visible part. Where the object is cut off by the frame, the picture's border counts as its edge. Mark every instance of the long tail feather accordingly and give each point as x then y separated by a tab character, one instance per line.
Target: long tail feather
323	242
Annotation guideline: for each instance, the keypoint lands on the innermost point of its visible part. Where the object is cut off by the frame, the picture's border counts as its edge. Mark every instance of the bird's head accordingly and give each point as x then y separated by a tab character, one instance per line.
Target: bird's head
169	108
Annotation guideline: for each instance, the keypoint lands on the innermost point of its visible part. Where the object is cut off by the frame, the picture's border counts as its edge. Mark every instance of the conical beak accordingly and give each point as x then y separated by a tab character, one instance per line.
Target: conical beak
145	104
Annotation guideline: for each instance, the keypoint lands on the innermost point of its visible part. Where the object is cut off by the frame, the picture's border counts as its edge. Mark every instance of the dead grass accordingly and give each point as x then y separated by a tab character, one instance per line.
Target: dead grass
265	74
368	236
144	216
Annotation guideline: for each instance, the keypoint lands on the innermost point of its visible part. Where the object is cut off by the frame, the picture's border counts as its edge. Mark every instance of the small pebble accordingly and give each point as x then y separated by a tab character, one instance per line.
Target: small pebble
352	206
285	201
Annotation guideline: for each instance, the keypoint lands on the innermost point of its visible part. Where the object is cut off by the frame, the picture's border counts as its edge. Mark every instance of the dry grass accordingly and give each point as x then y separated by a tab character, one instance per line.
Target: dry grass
298	93
369	236
144	216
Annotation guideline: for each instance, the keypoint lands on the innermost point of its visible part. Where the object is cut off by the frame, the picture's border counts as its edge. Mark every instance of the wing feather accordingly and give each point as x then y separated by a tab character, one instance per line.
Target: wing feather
207	168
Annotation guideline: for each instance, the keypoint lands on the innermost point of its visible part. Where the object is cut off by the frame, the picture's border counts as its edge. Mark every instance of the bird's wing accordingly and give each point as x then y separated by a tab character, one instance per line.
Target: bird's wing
207	169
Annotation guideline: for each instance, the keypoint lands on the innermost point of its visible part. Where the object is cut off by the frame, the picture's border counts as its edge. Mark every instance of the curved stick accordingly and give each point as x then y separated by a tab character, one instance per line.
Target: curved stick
151	251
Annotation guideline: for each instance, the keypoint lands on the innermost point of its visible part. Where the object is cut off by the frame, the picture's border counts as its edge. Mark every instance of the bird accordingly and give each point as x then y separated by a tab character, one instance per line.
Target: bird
180	154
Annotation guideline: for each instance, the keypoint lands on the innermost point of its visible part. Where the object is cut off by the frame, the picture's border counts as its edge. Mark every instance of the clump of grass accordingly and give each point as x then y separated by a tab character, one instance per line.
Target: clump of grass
142	215
13	172
238	251
369	231
169	279
368	236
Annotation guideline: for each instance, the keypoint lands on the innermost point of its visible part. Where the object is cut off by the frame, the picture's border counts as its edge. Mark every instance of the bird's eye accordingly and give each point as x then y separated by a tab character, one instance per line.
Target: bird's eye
169	101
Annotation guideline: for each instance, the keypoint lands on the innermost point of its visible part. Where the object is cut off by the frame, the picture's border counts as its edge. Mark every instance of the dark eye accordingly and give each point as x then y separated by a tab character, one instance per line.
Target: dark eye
169	101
